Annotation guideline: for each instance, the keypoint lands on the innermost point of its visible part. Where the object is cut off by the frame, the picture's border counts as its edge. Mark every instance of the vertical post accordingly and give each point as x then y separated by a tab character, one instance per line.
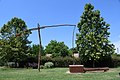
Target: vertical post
40	50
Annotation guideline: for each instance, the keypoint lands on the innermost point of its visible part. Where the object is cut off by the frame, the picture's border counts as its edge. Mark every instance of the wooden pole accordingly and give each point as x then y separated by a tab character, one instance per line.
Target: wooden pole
40	46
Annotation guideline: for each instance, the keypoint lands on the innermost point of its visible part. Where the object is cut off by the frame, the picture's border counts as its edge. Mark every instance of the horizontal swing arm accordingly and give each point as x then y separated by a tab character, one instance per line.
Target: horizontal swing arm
43	27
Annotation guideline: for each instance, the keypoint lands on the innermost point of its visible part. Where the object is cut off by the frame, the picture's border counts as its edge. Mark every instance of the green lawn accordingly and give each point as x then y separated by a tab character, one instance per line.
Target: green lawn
56	74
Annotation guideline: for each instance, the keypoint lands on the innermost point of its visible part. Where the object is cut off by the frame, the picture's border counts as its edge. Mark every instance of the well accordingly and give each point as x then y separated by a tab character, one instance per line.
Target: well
76	68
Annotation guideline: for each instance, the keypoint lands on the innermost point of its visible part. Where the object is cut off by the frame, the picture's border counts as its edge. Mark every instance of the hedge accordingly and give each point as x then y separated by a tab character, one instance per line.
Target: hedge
113	61
60	61
116	60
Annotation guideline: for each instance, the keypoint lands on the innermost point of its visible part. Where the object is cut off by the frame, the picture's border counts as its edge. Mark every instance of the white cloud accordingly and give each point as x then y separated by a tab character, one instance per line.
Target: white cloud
117	46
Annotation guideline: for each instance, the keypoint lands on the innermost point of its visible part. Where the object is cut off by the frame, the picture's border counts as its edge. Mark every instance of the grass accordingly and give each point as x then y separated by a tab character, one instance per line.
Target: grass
56	74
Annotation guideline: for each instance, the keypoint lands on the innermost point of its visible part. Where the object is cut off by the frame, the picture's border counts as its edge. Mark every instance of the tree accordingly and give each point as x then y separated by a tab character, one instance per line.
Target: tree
72	51
35	50
92	39
57	49
14	48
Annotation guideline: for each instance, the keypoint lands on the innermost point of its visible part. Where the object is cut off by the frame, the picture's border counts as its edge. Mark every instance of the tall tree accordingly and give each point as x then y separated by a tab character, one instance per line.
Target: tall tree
14	48
57	49
92	39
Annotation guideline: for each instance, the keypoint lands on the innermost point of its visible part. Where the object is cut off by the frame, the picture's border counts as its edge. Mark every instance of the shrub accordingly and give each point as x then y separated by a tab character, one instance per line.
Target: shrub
116	60
2	63
58	61
45	59
33	65
42	67
12	64
49	65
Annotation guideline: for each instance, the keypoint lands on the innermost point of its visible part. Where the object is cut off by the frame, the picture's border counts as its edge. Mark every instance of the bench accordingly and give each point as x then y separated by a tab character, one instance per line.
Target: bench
96	69
81	69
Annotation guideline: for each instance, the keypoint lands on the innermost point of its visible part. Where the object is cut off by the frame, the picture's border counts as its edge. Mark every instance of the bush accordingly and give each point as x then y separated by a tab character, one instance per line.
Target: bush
49	65
2	63
12	64
42	67
28	62
116	60
33	65
45	59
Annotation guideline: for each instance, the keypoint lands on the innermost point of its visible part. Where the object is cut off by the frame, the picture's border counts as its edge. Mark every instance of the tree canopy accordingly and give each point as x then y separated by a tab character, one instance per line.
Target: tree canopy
35	50
12	47
57	49
92	39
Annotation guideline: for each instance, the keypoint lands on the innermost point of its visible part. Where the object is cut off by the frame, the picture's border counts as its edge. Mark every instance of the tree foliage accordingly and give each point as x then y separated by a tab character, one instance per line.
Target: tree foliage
57	49
12	47
35	50
92	39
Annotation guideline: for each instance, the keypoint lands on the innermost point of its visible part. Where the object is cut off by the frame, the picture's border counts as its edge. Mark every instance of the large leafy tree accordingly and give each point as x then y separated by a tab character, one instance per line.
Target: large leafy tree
92	39
57	49
12	47
35	50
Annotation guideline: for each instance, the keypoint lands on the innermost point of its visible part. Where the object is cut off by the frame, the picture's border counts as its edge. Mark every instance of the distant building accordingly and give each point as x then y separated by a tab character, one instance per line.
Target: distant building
48	55
76	55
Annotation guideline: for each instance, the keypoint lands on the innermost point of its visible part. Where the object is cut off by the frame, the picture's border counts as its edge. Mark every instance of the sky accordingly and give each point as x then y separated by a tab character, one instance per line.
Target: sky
52	12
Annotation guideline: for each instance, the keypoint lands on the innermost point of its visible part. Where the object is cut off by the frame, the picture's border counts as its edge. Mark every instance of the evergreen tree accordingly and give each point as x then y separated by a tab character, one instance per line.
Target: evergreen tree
12	47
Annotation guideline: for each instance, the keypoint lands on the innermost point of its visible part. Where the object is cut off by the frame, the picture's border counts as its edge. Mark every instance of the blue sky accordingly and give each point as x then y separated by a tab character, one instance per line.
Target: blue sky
50	12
